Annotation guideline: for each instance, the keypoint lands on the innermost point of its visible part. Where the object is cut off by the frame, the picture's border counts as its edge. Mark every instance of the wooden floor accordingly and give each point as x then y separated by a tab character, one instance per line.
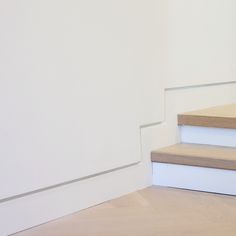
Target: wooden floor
154	211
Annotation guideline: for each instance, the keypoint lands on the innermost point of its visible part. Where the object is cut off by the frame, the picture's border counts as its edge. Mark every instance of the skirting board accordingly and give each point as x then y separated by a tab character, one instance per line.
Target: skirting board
195	178
32	210
210	136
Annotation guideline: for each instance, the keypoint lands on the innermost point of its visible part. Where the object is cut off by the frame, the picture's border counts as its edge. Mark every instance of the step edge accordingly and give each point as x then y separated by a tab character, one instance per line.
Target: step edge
207	121
193	160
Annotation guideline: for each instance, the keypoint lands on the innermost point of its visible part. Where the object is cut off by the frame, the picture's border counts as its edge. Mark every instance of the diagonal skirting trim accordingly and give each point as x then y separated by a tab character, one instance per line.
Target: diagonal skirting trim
200	85
66	183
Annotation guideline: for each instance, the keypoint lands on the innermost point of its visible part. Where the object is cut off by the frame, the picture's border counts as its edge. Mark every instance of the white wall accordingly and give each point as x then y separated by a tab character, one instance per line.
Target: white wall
199	41
83	101
78	79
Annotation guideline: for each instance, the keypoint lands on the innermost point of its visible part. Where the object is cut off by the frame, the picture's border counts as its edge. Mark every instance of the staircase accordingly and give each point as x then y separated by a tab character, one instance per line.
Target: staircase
205	160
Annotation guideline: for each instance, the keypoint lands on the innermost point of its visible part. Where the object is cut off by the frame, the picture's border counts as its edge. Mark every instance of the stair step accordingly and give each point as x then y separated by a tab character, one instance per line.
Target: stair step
197	155
217	117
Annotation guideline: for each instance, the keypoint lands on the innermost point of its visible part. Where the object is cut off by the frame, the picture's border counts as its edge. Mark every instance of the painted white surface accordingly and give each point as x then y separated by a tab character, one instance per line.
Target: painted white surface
78	79
195	178
199	41
211	136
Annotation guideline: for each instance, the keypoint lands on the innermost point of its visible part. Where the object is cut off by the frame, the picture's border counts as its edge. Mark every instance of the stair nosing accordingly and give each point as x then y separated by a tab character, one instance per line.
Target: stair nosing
188	159
216	117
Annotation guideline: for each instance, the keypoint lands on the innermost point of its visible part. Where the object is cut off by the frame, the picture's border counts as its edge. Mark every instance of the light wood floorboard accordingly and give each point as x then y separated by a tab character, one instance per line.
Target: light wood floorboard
154	211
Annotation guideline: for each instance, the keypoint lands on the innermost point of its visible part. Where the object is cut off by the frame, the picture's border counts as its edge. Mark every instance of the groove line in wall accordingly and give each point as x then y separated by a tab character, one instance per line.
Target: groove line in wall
67	183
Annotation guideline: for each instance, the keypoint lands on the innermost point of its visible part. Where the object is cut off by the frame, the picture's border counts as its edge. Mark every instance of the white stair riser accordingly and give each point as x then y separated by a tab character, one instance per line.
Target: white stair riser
195	178
210	136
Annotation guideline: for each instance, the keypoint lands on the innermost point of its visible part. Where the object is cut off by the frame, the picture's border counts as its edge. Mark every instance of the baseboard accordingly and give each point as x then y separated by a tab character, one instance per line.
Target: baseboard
26	212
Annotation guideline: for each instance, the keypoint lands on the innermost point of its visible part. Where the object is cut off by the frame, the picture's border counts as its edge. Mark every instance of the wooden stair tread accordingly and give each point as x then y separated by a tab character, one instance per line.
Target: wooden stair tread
218	117
197	155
